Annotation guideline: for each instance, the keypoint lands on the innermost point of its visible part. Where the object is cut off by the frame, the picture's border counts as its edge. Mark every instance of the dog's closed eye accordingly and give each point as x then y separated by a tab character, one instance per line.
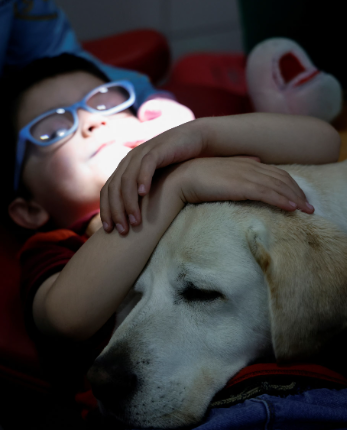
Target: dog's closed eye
193	294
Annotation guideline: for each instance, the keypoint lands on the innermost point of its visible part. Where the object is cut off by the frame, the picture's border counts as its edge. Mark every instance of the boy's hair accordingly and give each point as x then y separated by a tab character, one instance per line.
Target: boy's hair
11	89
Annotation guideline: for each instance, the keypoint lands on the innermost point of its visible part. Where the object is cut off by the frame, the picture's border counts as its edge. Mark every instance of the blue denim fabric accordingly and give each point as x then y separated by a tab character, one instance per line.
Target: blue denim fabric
320	409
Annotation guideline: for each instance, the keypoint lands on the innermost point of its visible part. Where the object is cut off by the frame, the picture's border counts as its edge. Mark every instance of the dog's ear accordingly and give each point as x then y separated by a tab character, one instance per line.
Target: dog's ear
304	259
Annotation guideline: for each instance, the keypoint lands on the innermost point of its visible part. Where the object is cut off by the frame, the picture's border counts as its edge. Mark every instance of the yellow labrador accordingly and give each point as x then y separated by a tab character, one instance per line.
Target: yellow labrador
228	283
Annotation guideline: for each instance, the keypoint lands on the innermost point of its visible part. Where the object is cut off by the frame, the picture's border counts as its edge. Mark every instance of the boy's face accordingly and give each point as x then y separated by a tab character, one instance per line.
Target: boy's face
66	177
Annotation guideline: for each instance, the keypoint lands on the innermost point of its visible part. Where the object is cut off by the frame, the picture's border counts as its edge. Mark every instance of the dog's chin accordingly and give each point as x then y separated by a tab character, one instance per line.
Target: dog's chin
123	419
116	416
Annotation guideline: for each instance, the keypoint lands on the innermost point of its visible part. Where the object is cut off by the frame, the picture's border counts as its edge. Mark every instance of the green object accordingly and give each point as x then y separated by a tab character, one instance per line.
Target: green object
262	19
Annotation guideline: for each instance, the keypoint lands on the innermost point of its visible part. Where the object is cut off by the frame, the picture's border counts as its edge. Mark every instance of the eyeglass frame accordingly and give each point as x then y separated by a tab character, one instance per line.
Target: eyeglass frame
24	134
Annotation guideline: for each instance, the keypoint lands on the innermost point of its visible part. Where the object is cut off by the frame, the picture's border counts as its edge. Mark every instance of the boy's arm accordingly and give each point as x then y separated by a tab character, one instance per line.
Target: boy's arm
79	300
274	138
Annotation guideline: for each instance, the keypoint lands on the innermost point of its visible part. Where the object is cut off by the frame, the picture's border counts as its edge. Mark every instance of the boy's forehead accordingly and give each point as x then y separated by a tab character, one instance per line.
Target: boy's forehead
58	91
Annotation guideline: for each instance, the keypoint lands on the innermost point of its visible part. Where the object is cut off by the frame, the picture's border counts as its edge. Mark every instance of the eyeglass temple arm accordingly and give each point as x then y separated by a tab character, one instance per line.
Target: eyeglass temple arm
19	161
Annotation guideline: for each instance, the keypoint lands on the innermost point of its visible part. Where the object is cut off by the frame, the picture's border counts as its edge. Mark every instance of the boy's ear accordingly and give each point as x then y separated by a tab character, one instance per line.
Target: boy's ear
28	214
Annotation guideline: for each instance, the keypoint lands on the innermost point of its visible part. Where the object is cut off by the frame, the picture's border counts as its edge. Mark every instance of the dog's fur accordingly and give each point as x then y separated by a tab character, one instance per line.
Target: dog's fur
228	283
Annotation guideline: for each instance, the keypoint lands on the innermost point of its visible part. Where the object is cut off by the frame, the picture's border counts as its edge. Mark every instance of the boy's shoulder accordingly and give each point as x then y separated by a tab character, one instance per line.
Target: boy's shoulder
47	253
60	235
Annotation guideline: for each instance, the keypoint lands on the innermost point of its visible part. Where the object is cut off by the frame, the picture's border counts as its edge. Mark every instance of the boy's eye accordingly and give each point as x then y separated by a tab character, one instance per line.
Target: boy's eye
108	98
59	133
52	126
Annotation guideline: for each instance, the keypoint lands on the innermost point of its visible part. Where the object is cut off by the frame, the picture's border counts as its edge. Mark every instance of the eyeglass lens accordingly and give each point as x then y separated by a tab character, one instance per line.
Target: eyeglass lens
59	123
52	126
108	98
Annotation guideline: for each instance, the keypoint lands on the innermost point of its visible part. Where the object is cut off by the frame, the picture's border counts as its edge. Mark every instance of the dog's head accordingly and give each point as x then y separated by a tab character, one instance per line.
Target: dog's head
225	284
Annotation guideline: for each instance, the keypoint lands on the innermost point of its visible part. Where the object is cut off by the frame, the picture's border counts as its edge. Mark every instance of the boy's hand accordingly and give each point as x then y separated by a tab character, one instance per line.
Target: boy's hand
214	179
133	176
134	173
240	178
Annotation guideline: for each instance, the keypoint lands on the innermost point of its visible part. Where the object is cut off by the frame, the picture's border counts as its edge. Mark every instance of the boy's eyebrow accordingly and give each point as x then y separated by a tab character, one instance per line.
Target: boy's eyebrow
54	107
66	104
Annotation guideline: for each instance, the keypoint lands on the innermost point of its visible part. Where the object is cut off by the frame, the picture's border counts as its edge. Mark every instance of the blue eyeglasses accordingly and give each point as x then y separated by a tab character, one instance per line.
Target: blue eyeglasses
57	124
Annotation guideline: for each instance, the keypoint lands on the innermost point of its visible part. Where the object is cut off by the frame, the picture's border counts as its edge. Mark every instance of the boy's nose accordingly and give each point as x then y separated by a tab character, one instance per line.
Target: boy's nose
89	122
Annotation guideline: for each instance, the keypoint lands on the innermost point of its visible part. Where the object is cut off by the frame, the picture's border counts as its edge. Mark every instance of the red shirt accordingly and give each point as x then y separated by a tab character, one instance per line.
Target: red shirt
45	254
65	362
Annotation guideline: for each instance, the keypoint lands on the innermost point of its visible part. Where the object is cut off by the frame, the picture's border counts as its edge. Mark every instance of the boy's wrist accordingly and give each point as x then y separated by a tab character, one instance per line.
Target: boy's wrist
180	178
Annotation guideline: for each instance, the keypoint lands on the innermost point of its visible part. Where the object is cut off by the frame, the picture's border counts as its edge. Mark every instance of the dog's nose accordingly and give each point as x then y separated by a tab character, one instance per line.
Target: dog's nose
112	380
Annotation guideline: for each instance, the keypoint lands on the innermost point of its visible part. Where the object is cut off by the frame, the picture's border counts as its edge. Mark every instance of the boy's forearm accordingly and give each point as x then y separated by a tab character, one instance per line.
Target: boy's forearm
96	280
274	138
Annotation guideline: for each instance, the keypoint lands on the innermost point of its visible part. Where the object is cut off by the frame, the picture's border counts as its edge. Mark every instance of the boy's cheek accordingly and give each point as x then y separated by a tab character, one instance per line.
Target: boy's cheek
170	109
149	110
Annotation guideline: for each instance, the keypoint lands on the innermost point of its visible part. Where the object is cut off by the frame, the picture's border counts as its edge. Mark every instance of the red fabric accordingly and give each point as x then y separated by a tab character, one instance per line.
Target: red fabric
145	51
18	355
87	402
210	70
45	254
211	84
42	256
65	362
205	101
308	370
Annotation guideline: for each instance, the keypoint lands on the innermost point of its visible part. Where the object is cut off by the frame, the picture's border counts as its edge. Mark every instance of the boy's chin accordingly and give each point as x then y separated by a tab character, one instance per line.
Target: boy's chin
108	159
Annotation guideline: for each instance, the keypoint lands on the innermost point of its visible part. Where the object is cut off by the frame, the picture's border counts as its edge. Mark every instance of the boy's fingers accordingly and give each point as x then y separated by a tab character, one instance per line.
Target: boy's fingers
117	212
283	203
299	196
275	172
281	194
105	212
275	199
130	198
129	190
285	177
146	172
266	194
286	182
294	185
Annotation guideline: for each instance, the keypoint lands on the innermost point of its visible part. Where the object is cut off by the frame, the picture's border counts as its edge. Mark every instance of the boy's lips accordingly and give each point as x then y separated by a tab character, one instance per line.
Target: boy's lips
102	146
127	144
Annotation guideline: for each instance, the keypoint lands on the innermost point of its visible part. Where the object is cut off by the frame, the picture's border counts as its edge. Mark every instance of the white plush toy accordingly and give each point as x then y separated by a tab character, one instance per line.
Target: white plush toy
281	78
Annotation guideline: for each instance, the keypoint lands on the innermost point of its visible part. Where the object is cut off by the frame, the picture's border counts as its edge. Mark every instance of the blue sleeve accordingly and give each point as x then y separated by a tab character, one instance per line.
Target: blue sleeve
142	85
40	29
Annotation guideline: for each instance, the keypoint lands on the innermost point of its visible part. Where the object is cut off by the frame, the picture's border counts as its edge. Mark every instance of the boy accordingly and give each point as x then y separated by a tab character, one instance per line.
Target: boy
73	280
